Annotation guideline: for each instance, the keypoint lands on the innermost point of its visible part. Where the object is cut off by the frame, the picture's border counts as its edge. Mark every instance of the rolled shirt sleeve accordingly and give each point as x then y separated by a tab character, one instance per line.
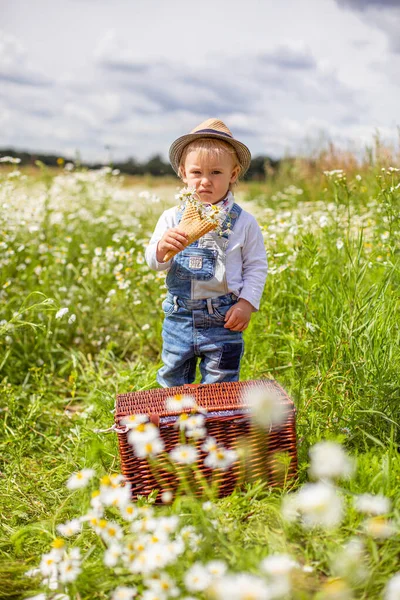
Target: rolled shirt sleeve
254	266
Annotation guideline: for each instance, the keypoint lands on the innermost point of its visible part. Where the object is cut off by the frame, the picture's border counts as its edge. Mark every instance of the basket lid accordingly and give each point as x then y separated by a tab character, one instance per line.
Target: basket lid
212	397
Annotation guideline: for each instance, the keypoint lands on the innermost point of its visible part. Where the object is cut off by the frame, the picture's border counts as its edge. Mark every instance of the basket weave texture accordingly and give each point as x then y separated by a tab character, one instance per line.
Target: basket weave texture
227	420
194	225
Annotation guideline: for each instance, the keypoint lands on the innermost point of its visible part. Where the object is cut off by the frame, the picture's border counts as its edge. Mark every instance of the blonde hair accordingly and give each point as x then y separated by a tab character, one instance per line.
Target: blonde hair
210	148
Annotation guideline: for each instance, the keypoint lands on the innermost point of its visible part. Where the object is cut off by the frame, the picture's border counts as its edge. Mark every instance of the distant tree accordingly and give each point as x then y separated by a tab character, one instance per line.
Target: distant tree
156	166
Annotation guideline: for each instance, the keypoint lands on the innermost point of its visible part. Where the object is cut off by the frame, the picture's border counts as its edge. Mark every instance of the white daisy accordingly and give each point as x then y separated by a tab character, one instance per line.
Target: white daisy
179	402
330	461
184	454
80	479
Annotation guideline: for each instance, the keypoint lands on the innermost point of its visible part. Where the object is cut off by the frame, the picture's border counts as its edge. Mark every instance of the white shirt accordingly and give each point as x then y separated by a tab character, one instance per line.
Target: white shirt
246	259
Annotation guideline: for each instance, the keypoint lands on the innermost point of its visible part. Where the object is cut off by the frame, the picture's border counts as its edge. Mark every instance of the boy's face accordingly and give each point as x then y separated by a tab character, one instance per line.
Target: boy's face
210	176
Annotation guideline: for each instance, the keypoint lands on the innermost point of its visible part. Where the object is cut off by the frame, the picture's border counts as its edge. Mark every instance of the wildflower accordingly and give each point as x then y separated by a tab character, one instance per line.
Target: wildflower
209	445
71	319
308	569
266	406
129	512
323	221
373	505
336	589
348	563
124	593
179	402
240	586
221	458
197	578
152	595
379	528
144	432
310	327
60	313
339	243
329	461
146	448
80	479
48	564
184	454
166	497
392	589
69	570
318	504
207	506
163	585
145	327
278	565
112	555
70	528
216	568
168	524
111	532
115	496
10	159
132	421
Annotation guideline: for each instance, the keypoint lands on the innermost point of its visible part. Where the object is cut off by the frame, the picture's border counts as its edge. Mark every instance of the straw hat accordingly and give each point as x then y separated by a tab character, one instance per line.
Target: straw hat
212	128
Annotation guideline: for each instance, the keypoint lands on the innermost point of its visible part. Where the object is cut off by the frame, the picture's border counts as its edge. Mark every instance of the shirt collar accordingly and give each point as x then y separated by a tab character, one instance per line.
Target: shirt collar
227	202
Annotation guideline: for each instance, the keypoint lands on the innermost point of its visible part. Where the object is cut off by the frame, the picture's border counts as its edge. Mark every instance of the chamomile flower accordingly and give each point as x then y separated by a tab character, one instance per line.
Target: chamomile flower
60	313
266	407
144	432
132	421
80	479
392	589
372	504
240	586
112	555
150	447
380	528
216	568
197	578
221	458
179	402
184	454
124	593
330	461
318	504
70	528
69	570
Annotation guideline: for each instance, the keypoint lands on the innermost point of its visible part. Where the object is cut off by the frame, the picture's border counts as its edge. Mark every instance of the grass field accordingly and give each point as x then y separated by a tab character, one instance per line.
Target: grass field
328	330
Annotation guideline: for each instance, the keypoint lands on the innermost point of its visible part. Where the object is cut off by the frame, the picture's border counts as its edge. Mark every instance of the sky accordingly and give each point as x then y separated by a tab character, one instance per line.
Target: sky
120	79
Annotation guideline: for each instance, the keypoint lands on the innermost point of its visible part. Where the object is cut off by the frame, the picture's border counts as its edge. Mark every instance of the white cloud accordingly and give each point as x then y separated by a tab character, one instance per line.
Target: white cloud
75	83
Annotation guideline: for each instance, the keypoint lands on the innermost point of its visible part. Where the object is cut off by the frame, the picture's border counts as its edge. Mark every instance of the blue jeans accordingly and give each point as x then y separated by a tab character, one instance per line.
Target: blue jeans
192	330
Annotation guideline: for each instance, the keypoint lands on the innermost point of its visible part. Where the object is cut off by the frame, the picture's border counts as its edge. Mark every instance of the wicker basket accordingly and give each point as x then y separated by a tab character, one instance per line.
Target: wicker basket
228	421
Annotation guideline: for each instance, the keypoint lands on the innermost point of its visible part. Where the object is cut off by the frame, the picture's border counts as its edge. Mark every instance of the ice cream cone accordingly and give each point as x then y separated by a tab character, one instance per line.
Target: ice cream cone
195	225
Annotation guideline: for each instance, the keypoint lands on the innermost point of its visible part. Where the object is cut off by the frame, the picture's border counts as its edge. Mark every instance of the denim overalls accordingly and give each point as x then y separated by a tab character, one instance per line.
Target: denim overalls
195	307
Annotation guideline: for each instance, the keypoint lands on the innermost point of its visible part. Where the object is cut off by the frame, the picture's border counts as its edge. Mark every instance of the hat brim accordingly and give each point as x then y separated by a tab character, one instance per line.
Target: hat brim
177	147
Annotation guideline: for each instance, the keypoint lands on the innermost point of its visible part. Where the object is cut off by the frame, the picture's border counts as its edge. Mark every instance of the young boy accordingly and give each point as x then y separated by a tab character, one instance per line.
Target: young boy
215	284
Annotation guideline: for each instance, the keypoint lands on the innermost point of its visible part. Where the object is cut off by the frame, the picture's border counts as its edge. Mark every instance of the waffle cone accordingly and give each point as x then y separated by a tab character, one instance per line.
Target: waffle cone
194	226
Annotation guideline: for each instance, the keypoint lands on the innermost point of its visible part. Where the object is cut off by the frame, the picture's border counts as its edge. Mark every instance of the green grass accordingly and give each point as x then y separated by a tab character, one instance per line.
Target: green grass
328	330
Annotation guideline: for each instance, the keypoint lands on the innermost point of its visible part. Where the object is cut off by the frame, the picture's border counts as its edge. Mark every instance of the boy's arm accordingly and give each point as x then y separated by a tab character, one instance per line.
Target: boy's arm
254	271
255	265
165	222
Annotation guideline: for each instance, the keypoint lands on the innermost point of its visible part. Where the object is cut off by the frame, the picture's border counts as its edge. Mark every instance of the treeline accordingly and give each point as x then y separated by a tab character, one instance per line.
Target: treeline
155	166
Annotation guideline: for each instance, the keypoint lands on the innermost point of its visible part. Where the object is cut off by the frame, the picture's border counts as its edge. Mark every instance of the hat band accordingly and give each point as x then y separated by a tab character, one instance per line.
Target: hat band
213	131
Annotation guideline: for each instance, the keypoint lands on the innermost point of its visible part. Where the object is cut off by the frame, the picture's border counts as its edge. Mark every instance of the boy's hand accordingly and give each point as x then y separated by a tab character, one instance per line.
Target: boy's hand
238	316
173	239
